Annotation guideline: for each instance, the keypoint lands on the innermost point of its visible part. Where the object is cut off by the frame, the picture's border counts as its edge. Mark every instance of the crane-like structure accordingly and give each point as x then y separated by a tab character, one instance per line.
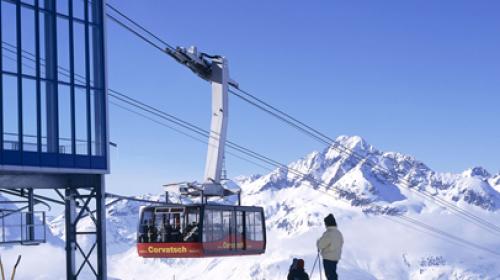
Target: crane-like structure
214	69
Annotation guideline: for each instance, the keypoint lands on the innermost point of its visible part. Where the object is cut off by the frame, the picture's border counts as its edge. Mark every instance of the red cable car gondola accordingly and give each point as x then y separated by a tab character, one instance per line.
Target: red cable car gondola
200	230
206	229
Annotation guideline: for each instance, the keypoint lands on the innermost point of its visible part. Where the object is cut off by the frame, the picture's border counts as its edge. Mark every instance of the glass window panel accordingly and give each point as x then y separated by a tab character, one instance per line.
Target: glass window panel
63	74
29	116
9	36
227	222
79	9
146	221
209	216
92	123
10	118
92	55
63	48
41	20
250	225
207	220
28	40
191	232
218	226
9	60
81	121
193	216
64	101
90	9
96	117
79	53
50	106
258	227
239	229
62	6
179	221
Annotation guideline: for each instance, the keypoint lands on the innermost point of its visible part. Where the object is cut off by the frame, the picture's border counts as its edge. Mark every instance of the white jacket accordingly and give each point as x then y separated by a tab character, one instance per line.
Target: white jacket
330	244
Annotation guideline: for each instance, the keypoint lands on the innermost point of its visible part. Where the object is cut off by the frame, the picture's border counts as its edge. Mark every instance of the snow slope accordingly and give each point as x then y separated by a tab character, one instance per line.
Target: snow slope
376	246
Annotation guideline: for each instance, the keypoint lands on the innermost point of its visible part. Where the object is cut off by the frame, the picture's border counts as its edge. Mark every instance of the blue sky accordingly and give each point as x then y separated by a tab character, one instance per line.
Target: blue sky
421	78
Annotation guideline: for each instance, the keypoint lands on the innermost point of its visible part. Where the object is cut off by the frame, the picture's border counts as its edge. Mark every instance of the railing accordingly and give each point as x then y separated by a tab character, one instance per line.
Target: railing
22	227
32	147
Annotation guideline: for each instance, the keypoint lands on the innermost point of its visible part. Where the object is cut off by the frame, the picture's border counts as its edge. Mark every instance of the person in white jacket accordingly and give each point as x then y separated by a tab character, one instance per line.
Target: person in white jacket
330	247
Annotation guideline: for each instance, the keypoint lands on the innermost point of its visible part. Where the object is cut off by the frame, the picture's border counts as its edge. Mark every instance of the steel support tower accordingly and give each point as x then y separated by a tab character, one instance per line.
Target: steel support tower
54	124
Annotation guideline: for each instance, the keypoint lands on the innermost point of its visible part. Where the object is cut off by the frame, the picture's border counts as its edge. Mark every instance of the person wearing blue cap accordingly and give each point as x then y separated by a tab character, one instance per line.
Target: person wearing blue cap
297	271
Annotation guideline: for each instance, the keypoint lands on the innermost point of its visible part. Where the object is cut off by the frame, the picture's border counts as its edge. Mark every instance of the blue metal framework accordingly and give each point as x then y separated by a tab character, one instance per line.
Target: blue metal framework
53	119
85	249
66	128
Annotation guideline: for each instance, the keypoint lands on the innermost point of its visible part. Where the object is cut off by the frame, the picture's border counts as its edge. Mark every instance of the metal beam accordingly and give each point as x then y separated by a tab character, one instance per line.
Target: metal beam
98	45
30	219
38	82
19	77
73	269
70	214
72	77
38	198
87	78
101	230
1	87
51	75
10	180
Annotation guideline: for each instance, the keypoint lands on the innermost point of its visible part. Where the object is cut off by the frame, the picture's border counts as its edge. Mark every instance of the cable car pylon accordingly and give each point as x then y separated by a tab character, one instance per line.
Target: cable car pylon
214	69
207	228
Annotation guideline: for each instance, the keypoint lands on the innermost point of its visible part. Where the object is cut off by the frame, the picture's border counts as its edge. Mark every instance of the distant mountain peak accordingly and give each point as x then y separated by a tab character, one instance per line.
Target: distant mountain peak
354	143
242	179
477	171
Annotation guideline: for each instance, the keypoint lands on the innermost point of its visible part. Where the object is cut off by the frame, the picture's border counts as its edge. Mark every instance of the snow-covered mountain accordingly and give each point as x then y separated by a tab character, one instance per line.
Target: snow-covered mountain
360	194
376	181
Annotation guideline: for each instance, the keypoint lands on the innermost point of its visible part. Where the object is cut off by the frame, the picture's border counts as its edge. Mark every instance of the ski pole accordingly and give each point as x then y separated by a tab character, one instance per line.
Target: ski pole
319	268
314	266
15	267
1	269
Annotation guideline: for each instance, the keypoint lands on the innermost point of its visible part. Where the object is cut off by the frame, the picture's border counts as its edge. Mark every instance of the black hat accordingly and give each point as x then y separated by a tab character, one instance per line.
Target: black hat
330	221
